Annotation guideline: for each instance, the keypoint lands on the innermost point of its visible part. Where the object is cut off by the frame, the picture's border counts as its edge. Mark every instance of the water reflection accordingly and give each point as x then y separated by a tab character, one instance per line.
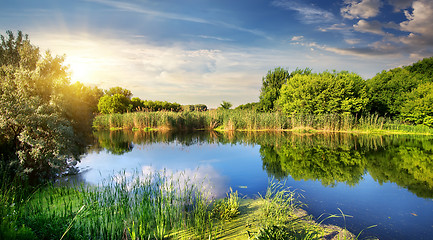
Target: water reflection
328	158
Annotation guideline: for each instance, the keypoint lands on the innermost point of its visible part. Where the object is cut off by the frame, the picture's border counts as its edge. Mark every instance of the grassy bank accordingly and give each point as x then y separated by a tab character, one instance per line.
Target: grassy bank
243	120
155	206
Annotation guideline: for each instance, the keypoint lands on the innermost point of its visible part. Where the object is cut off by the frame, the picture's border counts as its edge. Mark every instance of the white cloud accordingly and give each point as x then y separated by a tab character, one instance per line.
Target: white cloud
361	9
334	27
400	4
309	14
420	20
352	41
297	38
369	27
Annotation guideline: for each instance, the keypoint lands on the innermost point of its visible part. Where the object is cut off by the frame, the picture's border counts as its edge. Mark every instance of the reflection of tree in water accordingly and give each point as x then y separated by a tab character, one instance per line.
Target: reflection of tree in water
406	161
114	142
331	159
410	166
329	166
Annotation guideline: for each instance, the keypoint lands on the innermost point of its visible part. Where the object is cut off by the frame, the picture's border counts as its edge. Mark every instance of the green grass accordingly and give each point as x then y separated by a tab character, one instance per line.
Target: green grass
244	120
155	206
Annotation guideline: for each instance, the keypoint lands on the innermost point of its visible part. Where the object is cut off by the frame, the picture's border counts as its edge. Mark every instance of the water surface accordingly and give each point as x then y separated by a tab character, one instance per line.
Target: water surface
379	180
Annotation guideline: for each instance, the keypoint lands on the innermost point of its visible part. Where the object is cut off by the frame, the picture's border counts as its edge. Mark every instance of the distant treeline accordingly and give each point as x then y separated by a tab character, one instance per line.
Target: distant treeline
118	100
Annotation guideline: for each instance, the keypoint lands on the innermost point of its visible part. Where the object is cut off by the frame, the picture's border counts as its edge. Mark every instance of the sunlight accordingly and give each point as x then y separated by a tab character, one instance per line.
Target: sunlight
81	69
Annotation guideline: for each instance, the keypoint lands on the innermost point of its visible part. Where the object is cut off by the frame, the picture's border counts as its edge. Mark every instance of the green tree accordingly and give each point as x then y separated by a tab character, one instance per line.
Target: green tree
226	105
418	107
36	137
271	85
118	90
116	103
389	90
327	92
248	106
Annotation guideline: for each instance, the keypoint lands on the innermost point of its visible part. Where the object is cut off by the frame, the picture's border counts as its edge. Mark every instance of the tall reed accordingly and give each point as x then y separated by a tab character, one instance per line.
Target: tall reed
151	206
251	120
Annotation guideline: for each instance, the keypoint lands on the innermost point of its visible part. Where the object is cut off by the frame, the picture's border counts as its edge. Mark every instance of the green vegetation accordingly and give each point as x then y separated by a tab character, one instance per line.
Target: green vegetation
325	93
226	105
118	100
154	206
43	118
249	120
271	87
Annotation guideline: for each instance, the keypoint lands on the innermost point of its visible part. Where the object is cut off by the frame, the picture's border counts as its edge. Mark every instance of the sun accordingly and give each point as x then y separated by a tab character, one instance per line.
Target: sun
81	69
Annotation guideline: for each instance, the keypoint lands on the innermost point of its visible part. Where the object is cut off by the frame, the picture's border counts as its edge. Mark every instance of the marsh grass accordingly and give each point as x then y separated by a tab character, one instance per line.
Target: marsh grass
156	206
230	120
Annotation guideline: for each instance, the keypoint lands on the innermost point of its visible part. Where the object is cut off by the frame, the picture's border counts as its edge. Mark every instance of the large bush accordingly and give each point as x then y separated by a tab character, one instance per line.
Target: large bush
327	92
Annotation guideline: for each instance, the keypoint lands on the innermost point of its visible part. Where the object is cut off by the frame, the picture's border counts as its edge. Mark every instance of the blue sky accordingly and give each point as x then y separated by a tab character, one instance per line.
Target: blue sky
207	51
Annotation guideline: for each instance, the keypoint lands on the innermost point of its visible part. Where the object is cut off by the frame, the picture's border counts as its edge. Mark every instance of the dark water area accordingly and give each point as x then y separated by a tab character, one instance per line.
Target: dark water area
378	180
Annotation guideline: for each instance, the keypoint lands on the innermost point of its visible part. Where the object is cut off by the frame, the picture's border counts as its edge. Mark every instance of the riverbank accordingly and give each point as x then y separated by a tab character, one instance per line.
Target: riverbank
243	120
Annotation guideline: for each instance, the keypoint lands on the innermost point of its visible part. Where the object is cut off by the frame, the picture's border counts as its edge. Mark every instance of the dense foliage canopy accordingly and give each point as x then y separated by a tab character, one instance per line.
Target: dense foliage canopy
404	93
327	92
41	114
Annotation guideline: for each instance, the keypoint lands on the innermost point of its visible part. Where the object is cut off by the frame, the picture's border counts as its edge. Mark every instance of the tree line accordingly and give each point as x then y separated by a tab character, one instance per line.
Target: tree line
403	93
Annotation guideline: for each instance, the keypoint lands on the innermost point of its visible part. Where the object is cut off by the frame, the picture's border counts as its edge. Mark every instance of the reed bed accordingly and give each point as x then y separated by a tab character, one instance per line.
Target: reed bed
154	206
250	121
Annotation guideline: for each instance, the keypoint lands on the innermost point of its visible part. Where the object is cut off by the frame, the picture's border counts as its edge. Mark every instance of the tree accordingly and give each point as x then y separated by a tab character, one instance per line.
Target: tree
418	108
117	103
226	105
271	85
118	90
327	92
37	137
248	106
389	90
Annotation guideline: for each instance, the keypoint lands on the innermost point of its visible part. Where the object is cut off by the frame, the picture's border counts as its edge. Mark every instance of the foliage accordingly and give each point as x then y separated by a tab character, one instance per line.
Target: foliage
390	90
418	107
117	103
271	85
120	103
226	105
227	208
248	106
118	90
37	130
11	50
336	92
196	107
